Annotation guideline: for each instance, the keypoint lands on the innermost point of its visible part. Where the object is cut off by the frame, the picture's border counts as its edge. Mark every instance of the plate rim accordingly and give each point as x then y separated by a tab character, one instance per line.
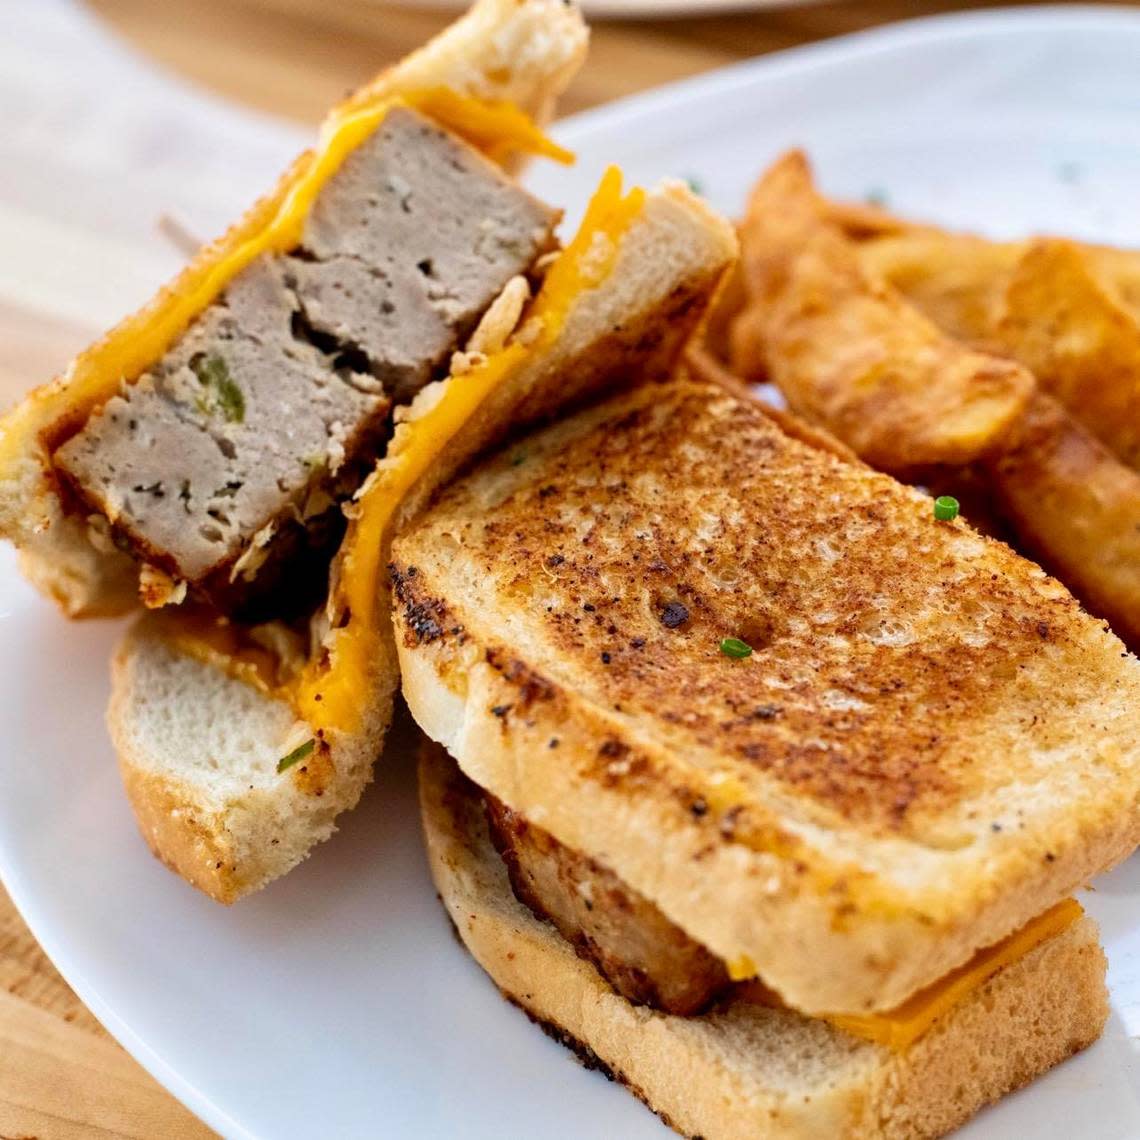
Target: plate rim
720	81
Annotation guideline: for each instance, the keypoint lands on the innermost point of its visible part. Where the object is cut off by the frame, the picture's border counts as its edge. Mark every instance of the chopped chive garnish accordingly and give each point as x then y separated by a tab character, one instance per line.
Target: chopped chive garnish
876	196
734	647
695	184
945	508
221	391
296	756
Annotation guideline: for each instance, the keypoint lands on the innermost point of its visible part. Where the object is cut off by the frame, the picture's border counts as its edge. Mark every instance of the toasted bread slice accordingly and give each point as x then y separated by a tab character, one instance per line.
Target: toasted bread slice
930	743
198	748
521	51
748	1070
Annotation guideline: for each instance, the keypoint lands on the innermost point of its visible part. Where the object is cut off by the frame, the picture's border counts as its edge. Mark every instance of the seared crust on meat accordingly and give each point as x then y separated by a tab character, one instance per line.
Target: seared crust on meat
930	744
747	1070
645	957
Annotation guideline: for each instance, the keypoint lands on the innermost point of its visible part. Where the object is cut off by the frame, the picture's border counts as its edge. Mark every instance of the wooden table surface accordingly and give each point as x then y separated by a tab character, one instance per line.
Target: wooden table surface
61	1075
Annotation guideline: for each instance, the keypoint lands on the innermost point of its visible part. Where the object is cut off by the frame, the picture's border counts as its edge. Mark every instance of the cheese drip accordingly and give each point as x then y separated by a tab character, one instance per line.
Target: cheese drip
333	690
274	225
901	1027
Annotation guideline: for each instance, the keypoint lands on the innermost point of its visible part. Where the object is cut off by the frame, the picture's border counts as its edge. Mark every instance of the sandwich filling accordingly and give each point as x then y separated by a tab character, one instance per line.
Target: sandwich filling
241	441
330	690
333	689
651	961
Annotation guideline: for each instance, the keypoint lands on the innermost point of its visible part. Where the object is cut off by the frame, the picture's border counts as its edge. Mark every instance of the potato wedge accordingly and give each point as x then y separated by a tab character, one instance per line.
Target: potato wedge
957	280
1119	269
1077	508
1063	319
863	220
848	351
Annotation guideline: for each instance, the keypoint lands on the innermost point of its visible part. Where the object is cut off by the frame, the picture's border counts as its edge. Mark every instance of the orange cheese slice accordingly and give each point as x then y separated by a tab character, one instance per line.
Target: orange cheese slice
215	641
902	1026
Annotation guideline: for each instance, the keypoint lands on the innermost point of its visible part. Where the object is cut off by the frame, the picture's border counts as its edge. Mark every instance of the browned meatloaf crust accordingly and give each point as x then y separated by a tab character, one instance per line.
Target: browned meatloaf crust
643	955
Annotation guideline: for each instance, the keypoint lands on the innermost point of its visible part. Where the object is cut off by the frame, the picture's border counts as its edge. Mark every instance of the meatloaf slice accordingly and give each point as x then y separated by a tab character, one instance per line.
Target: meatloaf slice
409	244
271	407
644	956
228	434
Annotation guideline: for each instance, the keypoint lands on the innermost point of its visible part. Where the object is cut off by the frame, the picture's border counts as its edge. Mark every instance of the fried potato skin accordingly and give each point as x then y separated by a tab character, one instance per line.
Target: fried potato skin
1063	320
870	325
957	280
862	220
849	352
1077	508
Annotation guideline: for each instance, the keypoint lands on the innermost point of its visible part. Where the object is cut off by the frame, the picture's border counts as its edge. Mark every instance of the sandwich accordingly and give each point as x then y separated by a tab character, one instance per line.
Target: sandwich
1009	368
755	783
238	453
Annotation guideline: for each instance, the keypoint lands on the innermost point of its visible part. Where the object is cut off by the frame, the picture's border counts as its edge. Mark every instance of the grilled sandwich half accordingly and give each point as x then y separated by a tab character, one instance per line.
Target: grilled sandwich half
237	454
761	773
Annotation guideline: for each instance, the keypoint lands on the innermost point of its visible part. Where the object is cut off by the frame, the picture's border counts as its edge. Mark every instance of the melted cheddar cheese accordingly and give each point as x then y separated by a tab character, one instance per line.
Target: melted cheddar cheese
214	641
333	690
902	1026
275	225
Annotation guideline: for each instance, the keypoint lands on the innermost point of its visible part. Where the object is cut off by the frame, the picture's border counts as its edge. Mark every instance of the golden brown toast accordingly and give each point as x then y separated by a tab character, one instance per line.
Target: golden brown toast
930	743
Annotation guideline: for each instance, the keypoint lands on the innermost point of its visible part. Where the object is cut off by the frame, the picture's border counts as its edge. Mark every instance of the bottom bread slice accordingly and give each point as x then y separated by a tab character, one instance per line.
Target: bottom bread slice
748	1070
198	754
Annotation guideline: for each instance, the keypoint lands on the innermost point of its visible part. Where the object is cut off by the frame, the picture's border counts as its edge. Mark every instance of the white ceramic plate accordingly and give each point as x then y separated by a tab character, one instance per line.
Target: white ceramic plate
336	1003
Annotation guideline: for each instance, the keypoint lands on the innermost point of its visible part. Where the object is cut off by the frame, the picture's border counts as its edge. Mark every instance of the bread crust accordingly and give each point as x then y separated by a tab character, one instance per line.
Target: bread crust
747	1070
811	873
523	51
628	329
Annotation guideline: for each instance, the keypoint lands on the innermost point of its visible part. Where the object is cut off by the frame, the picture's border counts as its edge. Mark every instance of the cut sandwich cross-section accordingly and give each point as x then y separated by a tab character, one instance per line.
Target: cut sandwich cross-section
617	303
208	449
273	406
219	424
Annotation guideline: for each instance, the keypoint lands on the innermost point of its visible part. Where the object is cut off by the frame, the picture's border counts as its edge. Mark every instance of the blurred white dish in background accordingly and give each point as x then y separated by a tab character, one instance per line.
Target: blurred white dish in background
644	9
336	1003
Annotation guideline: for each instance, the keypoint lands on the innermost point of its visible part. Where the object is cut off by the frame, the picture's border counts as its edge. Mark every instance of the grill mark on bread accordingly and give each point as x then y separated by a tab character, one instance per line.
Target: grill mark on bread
752	531
531	685
427	618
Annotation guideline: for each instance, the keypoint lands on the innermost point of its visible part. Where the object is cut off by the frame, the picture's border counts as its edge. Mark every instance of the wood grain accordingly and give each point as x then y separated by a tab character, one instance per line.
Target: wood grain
61	1075
310	52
